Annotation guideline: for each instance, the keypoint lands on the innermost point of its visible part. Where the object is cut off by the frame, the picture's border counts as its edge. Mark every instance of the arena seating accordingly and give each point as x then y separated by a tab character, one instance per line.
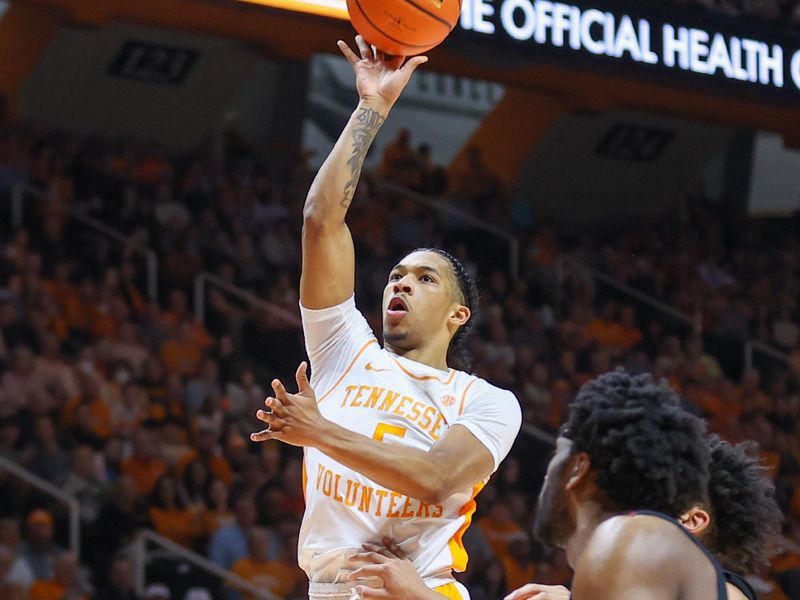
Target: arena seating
143	412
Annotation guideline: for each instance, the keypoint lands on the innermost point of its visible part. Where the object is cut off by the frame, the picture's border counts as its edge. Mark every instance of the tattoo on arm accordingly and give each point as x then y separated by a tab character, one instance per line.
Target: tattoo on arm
368	122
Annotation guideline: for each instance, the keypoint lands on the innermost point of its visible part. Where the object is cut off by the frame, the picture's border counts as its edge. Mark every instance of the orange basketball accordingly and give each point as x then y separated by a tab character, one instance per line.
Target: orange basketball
404	27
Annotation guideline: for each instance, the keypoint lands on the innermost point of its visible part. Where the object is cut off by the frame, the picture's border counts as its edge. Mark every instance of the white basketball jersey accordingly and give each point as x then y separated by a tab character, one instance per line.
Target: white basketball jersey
370	391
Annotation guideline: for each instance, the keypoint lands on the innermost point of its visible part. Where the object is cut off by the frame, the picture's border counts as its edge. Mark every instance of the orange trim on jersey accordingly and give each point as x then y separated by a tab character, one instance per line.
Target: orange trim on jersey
449	591
464	396
347	370
448	381
305	479
456	544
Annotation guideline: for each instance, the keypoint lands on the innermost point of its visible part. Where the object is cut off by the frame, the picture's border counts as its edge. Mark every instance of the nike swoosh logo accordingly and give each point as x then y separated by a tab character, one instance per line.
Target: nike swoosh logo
369	367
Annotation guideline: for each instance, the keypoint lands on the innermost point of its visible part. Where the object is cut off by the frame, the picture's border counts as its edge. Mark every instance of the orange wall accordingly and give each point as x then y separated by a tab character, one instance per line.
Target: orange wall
25	31
508	134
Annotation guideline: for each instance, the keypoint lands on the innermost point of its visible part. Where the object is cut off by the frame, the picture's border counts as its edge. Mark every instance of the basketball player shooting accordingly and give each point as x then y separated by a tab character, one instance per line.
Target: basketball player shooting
397	441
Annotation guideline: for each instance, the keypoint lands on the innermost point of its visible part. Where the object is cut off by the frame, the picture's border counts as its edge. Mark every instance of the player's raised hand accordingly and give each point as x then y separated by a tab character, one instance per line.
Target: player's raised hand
535	591
379	78
291	418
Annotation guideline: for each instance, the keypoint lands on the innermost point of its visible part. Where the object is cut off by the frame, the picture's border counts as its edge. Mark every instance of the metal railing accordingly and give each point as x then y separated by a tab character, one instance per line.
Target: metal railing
752	346
54	491
203	280
749	347
455	214
563	262
140	553
18	192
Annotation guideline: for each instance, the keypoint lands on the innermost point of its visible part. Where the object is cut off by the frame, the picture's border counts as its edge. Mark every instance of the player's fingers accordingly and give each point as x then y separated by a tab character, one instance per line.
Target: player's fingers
367	593
393	547
351	56
539	592
280	391
261	436
366	572
274	423
371	557
413	63
363	48
301	377
275	407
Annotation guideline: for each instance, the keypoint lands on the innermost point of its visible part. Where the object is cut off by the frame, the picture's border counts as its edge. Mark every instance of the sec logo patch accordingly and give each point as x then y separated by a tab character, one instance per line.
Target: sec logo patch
448	400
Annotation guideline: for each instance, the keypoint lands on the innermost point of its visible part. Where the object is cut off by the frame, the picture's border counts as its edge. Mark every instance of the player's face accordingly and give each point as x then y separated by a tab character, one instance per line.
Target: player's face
418	300
554	523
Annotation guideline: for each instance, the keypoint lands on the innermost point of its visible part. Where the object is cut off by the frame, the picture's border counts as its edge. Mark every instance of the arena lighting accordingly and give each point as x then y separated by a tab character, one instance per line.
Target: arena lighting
336	9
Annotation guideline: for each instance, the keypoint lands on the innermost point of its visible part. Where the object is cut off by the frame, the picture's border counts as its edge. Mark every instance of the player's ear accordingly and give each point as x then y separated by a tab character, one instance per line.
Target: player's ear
696	520
460	315
579	470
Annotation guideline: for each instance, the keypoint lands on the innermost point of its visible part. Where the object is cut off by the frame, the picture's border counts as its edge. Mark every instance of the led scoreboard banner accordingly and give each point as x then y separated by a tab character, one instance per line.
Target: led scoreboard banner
705	50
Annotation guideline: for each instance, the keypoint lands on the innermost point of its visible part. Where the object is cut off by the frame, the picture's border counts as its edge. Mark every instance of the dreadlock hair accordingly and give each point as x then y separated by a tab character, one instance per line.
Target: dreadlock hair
647	452
458	355
746	520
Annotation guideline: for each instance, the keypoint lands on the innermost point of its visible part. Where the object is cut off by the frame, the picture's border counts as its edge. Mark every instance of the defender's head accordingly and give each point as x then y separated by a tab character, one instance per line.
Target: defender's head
627	445
430	298
741	524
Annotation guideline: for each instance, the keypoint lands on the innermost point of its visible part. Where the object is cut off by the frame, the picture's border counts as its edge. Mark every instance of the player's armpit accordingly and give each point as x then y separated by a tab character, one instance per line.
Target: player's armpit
462	461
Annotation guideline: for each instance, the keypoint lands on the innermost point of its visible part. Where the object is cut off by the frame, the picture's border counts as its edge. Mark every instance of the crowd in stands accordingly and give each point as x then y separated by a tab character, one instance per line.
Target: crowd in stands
779	11
143	412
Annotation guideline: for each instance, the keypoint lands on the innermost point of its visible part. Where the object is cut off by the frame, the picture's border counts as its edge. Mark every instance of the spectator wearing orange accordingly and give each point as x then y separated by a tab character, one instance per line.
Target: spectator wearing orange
178	314
39	550
499	526
170	513
152	168
517	562
145	465
96	413
206	450
219	513
65	582
274	576
180	354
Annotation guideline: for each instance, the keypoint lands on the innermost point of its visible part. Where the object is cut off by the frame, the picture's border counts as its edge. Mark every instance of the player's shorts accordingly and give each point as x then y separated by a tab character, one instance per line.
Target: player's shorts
454	590
345	591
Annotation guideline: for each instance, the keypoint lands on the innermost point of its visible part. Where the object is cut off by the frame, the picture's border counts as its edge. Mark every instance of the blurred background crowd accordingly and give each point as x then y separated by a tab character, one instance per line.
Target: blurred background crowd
143	411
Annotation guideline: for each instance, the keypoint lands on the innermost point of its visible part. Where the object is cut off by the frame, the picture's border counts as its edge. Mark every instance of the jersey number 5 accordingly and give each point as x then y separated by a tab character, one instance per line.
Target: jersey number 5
388	429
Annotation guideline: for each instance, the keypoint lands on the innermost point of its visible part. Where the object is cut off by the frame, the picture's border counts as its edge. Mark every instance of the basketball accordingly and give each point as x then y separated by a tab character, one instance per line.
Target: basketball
404	27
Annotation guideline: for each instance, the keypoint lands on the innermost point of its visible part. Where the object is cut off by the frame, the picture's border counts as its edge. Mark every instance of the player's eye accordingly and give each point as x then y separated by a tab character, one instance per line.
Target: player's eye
395	277
427	279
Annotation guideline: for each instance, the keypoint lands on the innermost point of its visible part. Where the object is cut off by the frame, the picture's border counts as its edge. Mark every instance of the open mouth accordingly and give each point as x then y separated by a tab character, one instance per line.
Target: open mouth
396	310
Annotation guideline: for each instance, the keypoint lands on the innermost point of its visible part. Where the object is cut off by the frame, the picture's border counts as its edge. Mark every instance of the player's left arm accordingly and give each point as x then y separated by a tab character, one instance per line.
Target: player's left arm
458	461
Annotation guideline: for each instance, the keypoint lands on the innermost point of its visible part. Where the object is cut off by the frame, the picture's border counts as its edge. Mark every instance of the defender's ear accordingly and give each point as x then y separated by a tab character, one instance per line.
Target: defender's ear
696	520
581	466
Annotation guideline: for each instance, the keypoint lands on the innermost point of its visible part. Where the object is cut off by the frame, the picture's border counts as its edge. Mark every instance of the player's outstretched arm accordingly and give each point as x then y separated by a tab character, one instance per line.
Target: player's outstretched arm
456	462
328	273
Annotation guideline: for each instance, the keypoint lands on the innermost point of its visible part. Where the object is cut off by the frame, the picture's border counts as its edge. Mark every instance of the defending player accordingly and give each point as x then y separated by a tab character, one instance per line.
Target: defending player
396	441
741	525
627	445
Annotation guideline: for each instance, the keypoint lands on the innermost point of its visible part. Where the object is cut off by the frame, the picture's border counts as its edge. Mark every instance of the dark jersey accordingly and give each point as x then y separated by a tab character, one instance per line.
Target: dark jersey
722	593
739	582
